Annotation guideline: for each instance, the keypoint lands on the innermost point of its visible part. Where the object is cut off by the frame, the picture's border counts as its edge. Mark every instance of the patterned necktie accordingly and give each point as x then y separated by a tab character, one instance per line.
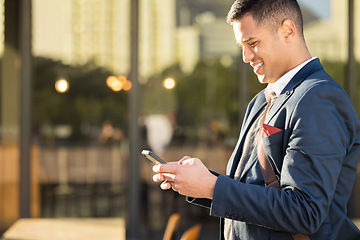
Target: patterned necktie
271	98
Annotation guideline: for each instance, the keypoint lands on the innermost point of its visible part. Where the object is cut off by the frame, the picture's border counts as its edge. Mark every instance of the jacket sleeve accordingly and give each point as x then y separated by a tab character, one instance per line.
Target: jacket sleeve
320	146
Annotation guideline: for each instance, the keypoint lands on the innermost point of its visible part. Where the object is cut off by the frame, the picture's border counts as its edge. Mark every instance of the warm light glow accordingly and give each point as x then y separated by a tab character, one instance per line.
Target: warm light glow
114	83
122	79
62	85
118	83
127	86
169	83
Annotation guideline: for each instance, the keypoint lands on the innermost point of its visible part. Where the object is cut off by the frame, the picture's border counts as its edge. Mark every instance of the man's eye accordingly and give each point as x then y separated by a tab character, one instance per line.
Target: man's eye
253	44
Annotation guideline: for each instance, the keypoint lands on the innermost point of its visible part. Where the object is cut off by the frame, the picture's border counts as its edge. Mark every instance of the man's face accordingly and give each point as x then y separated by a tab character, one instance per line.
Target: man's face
262	47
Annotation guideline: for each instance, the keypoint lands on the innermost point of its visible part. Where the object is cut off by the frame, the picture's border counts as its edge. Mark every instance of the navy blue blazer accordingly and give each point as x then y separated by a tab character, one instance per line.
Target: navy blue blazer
315	156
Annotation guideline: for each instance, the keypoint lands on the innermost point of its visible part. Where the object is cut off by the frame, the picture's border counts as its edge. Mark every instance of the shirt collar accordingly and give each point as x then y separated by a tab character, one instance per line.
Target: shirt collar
281	83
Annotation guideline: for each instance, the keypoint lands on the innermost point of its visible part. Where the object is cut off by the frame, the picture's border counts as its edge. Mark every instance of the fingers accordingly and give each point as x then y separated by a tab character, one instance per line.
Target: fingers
164	176
174	188
170	167
166	173
165	185
158	178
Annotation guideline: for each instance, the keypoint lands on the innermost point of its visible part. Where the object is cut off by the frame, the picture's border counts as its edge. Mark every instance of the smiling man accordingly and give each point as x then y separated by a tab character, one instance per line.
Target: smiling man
291	173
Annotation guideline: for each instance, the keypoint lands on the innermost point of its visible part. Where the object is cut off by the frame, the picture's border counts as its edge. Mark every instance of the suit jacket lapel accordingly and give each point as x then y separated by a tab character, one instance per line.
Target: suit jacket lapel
250	117
277	106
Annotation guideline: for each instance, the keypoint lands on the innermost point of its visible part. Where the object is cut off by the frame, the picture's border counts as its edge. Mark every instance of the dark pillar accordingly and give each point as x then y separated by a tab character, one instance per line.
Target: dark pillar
25	107
351	88
351	64
134	223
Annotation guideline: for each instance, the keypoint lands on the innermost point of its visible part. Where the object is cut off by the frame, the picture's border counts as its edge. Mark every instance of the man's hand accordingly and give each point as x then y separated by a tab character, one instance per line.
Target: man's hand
188	177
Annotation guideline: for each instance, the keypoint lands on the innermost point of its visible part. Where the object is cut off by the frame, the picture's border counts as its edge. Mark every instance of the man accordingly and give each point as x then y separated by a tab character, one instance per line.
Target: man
314	151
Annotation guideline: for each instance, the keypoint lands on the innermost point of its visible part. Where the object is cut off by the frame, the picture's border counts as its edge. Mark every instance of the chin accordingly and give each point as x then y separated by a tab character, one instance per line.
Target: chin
264	80
261	79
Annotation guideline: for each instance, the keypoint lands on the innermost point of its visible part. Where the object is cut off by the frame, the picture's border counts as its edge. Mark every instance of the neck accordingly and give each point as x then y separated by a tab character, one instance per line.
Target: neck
301	55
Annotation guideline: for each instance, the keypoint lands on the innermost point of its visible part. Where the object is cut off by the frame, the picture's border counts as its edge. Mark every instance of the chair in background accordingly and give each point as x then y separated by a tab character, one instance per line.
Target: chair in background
171	226
192	233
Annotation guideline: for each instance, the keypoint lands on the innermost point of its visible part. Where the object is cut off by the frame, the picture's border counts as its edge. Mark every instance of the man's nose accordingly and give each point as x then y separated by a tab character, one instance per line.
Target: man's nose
247	54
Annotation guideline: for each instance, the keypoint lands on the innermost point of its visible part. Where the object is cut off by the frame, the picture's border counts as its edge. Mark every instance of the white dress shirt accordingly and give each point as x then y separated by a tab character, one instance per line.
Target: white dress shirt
281	83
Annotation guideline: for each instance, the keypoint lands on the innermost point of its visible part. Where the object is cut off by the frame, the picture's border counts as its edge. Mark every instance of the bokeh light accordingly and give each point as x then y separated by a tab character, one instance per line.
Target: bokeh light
169	83
114	83
127	85
118	83
62	85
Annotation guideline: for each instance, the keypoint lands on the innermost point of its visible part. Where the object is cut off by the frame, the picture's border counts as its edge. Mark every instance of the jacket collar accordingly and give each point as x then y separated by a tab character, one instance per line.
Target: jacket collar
298	78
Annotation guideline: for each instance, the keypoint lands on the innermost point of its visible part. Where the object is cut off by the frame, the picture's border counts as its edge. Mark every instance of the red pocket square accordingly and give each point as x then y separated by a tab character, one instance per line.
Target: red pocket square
269	130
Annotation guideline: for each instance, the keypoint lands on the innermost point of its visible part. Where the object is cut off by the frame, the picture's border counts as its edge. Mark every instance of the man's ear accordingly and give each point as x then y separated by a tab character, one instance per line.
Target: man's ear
288	29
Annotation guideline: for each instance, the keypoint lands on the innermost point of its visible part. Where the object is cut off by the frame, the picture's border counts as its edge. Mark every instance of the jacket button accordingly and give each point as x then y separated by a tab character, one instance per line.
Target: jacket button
287	93
227	215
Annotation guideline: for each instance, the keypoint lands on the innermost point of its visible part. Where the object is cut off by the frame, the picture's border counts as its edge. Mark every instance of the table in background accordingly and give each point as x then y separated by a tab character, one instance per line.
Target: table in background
66	228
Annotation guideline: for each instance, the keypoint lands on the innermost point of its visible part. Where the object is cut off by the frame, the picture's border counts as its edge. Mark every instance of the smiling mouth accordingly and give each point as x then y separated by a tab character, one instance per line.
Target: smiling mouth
257	66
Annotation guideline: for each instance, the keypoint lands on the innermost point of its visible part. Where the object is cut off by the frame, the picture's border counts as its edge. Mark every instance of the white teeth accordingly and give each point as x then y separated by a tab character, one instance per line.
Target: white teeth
258	65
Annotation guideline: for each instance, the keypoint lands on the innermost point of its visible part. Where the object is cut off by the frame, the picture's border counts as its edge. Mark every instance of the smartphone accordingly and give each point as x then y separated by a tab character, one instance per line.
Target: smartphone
152	157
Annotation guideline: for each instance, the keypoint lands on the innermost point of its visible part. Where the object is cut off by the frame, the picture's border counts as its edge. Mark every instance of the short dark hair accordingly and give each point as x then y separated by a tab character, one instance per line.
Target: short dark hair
271	12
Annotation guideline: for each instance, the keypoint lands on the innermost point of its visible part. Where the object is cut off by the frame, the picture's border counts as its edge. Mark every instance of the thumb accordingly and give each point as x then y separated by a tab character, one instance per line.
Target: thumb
181	162
189	161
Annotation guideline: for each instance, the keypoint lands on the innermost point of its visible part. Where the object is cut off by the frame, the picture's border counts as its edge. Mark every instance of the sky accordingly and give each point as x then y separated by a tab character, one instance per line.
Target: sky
319	7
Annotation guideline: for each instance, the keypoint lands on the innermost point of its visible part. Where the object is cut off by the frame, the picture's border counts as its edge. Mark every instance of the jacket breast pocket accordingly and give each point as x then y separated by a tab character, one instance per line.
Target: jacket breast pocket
274	149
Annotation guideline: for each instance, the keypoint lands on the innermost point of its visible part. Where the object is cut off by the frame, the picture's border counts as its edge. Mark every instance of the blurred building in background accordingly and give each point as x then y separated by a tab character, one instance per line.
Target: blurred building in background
170	32
327	38
81	30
